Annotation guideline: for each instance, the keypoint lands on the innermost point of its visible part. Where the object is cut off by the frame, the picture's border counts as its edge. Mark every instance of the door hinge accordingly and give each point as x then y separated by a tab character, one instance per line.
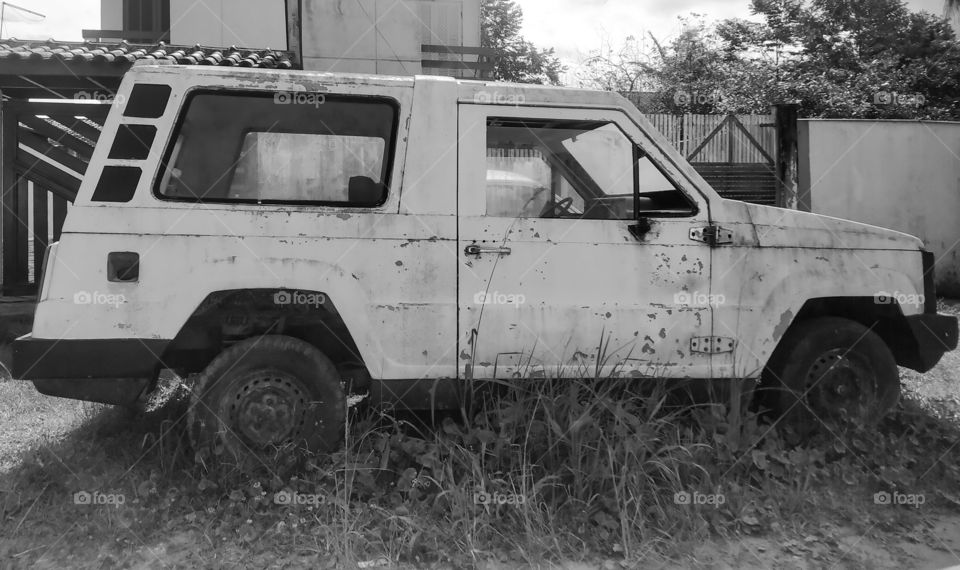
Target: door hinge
712	344
711	235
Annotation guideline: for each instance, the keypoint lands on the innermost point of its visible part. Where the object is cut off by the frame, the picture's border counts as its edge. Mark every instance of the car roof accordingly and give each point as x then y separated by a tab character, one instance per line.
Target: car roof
469	89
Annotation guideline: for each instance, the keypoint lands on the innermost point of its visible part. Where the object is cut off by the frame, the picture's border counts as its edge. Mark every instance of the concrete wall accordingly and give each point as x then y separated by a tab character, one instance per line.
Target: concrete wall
358	36
903	175
384	36
242	23
111	14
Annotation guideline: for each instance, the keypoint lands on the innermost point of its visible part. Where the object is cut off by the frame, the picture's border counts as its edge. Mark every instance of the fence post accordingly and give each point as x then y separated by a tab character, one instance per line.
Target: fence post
294	12
8	182
787	164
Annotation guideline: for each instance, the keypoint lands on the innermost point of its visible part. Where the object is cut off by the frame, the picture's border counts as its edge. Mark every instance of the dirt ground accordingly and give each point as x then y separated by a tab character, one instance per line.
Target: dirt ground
30	424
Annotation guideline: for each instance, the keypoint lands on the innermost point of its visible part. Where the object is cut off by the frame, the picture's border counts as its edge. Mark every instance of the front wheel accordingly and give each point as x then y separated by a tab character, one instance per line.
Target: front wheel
830	370
264	404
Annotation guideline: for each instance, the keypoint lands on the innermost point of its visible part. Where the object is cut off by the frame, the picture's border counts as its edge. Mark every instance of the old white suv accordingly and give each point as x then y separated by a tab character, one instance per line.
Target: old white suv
297	237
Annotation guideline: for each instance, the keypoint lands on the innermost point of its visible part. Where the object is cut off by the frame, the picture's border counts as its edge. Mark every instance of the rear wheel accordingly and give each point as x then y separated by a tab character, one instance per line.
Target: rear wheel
830	370
264	404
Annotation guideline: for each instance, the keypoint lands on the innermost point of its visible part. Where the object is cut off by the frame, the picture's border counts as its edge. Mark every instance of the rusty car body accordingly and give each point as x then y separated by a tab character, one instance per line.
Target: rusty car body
371	218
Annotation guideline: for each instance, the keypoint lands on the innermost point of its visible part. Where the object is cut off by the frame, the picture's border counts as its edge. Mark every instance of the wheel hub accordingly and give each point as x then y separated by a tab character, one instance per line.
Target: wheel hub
838	382
267	408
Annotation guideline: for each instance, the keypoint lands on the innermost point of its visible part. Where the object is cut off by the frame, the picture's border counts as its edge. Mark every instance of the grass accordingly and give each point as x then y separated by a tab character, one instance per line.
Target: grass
575	471
542	472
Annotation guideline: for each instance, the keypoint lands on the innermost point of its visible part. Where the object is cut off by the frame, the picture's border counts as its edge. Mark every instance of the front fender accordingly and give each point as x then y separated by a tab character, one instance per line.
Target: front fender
763	302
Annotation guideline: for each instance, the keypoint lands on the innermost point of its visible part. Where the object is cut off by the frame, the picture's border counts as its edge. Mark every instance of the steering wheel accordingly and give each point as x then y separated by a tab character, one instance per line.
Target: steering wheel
557	209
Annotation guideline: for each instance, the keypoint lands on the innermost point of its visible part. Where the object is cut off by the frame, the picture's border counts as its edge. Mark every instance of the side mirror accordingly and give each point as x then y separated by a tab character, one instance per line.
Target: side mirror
640	229
364	191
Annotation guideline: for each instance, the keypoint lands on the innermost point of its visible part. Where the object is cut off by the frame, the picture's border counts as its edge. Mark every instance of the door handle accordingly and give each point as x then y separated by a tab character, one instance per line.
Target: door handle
474	249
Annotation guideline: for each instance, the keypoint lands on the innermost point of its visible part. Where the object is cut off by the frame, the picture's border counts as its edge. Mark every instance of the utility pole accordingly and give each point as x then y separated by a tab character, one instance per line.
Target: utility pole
294	11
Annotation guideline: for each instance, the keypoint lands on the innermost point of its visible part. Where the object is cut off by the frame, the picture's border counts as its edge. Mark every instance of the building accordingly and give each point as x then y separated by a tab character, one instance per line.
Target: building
45	145
360	36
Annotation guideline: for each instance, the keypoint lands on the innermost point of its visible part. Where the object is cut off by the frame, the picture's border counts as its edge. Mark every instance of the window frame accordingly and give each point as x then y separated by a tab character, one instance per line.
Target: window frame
390	152
160	15
638	153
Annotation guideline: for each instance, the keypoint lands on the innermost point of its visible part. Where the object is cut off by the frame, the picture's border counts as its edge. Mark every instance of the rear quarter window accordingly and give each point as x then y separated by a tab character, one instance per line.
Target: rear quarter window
259	148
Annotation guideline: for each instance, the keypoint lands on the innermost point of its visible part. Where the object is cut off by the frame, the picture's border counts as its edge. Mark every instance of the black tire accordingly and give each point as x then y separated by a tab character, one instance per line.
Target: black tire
830	370
264	405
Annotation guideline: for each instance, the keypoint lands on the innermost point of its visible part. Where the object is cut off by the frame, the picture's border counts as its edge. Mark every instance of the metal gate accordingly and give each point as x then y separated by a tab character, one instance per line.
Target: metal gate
735	154
46	149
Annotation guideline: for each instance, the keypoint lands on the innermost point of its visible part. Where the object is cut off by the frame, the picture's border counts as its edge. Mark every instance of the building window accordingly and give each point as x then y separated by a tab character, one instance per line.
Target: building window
146	20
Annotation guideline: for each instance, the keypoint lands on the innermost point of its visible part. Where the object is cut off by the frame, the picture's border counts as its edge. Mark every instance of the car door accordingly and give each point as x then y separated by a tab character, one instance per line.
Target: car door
557	276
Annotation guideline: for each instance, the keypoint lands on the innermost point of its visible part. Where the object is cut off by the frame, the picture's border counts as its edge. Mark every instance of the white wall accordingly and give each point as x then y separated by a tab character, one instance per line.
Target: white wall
111	14
358	36
224	23
384	36
903	175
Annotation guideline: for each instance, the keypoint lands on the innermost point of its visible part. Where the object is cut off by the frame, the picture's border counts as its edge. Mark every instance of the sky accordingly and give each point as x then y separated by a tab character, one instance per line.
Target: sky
573	27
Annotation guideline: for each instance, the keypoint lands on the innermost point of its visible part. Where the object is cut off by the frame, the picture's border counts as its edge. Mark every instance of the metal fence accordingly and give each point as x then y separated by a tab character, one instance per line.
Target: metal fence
730	144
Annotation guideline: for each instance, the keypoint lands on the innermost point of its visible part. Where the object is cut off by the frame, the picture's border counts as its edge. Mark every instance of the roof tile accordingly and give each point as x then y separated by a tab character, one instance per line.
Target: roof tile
125	53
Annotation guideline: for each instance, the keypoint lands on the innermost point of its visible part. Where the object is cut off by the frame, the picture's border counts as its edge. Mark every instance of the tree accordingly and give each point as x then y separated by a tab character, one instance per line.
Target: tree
837	58
870	59
628	69
518	60
696	72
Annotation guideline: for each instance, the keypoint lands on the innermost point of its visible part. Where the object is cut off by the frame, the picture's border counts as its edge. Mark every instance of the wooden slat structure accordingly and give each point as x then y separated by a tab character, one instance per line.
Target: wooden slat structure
734	153
45	146
46	149
755	183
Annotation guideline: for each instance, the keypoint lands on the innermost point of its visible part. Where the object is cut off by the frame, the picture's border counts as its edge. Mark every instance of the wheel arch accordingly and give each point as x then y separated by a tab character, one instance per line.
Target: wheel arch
226	317
886	319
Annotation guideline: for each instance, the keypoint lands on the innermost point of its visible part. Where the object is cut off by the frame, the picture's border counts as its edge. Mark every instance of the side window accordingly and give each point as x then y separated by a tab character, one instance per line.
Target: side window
252	148
573	169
